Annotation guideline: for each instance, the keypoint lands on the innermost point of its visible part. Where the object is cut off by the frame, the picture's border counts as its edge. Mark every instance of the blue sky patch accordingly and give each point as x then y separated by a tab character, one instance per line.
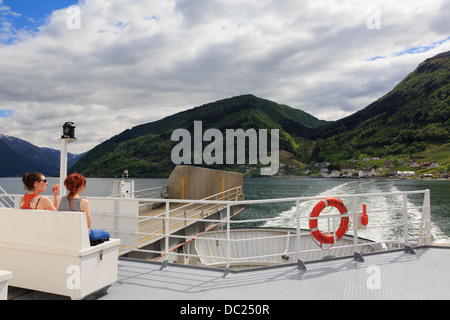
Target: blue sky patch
376	58
421	49
26	15
6	113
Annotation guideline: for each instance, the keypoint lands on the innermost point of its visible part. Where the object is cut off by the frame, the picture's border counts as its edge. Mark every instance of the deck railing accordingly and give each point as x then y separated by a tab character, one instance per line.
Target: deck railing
409	217
414	232
407	213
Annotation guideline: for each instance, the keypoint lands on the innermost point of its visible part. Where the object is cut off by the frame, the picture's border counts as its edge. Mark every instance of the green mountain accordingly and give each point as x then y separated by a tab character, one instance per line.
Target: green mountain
413	120
145	150
406	121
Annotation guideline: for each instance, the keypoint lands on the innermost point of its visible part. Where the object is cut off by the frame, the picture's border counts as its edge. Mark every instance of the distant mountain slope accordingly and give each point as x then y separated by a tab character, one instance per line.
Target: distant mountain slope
414	115
145	150
19	156
12	164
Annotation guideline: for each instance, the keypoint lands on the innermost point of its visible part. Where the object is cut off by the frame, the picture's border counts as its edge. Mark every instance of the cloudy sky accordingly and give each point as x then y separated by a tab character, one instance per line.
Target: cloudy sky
109	65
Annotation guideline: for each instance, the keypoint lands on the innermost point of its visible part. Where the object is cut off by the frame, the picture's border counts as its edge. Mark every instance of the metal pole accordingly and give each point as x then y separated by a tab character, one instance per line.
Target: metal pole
405	219
297	215
356	254
63	167
228	239
427	204
167	225
66	138
355	223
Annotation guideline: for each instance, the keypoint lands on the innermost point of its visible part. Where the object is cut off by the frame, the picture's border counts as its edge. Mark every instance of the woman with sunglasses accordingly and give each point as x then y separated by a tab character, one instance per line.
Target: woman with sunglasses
36	183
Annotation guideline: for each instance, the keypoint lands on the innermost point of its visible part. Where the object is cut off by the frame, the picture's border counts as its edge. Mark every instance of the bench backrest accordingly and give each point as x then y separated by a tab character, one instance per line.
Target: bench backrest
44	228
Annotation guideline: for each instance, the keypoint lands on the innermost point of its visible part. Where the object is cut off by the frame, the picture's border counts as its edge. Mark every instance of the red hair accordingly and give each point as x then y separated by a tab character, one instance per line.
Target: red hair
74	182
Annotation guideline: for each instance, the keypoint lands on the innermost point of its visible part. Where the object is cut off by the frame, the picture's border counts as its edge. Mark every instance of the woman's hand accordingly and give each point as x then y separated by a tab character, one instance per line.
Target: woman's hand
55	189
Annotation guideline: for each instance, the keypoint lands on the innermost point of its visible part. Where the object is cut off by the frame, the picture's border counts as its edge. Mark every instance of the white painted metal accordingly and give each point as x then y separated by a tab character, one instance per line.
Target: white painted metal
63	164
261	246
5	276
6	201
49	251
122	188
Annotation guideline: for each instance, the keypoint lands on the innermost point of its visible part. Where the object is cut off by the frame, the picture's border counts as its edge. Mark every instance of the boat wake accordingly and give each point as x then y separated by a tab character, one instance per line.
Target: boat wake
379	210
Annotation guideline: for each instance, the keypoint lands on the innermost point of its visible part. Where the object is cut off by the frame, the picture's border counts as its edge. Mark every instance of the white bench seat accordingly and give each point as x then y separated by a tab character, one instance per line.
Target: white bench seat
49	251
5	276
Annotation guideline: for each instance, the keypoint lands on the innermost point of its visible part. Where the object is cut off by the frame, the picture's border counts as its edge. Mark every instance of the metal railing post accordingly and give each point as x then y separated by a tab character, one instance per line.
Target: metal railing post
424	226
408	248
427	216
405	219
227	268
115	217
166	237
356	254
300	263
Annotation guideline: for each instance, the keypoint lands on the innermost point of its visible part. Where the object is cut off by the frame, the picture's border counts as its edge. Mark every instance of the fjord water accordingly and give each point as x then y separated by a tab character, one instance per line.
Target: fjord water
310	187
291	187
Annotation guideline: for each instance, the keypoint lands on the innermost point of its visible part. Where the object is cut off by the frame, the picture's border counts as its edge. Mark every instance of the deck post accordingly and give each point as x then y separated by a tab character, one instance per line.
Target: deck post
424	227
228	237
357	256
166	236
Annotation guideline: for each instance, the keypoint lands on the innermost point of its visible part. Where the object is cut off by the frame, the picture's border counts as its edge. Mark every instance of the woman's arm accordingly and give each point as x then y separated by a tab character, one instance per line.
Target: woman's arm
55	191
86	209
45	204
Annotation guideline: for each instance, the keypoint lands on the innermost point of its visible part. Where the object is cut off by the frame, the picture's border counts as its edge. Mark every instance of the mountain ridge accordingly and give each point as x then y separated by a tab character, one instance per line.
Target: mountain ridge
20	156
244	112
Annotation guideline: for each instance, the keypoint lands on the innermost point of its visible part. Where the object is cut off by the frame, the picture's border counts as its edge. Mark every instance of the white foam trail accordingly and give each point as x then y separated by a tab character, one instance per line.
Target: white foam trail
380	204
305	208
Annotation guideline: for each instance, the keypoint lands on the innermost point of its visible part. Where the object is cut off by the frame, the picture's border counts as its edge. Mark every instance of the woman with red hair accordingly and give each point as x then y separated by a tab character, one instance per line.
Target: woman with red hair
75	184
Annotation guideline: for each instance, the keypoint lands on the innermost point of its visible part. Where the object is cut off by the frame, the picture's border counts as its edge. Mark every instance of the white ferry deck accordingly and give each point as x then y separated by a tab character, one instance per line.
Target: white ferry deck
391	275
234	264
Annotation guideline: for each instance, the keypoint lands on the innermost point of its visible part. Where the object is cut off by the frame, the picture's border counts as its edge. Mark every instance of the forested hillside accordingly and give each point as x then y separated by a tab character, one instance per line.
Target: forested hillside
145	150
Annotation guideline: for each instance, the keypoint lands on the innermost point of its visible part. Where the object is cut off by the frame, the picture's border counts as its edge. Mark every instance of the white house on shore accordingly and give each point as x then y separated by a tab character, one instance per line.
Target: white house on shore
402	174
366	173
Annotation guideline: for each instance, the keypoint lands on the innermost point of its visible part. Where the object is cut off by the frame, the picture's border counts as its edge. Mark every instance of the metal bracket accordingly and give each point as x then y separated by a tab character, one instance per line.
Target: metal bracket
409	250
357	256
164	265
226	271
301	265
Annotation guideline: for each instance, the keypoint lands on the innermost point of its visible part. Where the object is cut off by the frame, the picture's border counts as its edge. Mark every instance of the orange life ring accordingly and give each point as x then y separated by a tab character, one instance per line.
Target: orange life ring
332	238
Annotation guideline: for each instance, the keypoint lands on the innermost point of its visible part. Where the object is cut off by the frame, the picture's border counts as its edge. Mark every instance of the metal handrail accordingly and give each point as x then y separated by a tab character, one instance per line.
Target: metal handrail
423	237
4	203
235	192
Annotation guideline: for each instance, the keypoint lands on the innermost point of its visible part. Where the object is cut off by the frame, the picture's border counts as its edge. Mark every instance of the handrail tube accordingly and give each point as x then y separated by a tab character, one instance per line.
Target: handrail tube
260	201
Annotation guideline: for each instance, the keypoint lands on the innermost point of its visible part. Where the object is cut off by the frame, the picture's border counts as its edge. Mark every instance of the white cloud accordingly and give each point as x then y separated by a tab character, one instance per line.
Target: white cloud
132	62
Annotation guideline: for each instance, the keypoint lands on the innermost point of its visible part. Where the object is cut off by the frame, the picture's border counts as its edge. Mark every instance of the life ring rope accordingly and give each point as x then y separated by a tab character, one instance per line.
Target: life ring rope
313	221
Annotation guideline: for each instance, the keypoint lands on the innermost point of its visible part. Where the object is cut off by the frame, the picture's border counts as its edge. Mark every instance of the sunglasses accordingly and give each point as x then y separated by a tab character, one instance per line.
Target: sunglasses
45	180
